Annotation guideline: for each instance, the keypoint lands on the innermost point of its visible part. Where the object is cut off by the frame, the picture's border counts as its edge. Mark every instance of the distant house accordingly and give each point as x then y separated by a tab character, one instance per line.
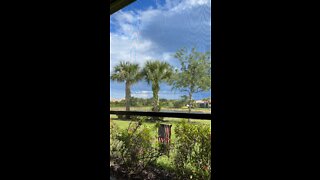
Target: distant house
116	99
204	103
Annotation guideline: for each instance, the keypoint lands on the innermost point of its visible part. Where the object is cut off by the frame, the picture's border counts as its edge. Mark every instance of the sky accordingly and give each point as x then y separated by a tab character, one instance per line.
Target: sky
156	29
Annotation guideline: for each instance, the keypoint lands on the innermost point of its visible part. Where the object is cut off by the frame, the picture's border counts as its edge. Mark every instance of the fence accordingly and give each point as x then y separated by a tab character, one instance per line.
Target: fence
204	116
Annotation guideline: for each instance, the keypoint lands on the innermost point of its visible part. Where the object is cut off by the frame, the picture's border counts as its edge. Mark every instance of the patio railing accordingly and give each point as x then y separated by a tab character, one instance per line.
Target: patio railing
204	116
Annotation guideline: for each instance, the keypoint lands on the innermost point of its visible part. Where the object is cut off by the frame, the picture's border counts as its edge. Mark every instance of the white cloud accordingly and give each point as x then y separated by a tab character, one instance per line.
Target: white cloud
142	94
178	5
125	49
162	94
157	33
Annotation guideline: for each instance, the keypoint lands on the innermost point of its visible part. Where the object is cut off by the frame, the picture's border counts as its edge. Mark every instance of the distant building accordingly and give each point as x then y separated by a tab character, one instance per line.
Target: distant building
204	103
116	99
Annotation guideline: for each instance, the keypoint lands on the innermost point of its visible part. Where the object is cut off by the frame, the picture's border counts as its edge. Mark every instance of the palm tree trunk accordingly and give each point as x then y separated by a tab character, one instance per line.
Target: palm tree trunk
190	102
155	100
155	91
128	97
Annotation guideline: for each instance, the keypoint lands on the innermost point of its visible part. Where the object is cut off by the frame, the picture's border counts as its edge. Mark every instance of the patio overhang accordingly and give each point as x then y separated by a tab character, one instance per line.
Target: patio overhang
116	5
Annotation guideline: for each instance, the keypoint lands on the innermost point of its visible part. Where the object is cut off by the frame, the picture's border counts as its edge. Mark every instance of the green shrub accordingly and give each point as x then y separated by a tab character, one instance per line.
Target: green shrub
114	143
120	116
179	104
135	148
193	151
170	104
124	117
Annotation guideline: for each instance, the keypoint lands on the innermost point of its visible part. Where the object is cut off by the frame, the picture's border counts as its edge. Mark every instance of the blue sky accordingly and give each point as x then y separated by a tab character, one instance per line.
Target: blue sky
156	29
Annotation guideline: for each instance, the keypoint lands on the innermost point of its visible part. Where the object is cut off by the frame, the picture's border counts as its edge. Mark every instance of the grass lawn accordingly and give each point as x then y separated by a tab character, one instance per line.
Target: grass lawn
125	123
163	161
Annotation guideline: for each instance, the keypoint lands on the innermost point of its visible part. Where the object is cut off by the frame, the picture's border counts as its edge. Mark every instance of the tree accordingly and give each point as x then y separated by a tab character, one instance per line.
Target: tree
195	73
206	99
156	72
182	102
130	74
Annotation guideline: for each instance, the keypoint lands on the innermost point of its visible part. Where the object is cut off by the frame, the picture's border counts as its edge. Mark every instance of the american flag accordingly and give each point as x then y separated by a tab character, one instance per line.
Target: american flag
164	137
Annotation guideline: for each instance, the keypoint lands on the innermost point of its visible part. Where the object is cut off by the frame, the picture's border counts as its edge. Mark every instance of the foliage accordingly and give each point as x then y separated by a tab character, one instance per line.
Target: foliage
134	102
195	73
118	103
120	116
137	102
114	143
156	72
141	102
126	72
206	99
130	74
169	104
193	151
134	149
180	103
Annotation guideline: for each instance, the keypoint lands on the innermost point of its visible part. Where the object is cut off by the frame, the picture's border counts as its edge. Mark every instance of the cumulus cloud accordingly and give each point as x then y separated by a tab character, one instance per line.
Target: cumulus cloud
156	33
142	94
187	24
123	48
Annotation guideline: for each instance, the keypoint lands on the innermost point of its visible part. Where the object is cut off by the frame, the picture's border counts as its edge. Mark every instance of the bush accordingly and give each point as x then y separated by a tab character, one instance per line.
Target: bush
124	117
120	116
134	149
170	104
178	104
193	146
114	143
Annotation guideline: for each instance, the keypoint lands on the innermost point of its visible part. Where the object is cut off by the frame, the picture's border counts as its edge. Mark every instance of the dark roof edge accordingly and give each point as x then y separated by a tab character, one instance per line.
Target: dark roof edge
116	5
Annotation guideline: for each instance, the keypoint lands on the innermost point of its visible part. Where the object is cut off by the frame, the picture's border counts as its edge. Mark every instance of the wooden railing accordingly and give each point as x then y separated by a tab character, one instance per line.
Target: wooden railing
204	116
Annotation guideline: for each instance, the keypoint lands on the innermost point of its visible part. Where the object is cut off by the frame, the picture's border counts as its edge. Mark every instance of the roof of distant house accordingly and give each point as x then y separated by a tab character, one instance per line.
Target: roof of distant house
203	101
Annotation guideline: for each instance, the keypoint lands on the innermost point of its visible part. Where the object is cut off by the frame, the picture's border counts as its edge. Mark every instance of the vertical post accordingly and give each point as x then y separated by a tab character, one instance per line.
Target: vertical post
164	138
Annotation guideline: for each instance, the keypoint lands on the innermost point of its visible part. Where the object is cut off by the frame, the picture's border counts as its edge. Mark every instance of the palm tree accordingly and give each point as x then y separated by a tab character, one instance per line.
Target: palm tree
156	72
130	74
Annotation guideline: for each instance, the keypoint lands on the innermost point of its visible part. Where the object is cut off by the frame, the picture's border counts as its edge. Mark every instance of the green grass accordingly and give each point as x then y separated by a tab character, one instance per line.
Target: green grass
122	124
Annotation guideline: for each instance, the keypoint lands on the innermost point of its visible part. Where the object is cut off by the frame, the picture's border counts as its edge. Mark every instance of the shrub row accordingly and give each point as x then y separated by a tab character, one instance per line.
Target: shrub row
135	148
193	150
